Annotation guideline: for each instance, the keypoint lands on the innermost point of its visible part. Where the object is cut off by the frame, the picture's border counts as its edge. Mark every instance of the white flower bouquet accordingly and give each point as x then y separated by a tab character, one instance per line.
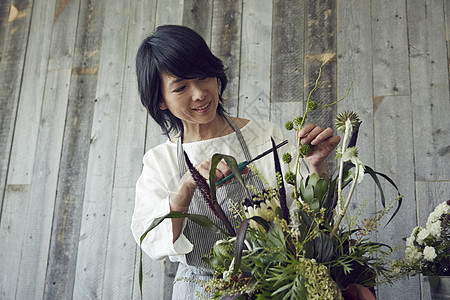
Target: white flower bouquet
428	249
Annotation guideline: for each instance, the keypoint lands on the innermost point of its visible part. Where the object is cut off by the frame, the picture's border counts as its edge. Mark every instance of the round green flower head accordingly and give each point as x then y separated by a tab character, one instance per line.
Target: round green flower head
290	177
340	120
289	125
305	149
287	157
312	105
298	121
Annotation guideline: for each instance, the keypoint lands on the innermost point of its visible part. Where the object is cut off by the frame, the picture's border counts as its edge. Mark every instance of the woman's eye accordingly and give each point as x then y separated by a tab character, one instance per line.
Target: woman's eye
180	89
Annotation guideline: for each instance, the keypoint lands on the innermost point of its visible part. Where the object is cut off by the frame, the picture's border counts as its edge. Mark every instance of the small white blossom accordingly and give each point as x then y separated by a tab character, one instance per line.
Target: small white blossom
413	254
429	253
441	209
422	235
410	241
435	228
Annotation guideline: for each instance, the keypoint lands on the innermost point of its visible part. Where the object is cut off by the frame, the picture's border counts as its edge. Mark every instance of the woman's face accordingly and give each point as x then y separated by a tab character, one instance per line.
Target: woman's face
193	101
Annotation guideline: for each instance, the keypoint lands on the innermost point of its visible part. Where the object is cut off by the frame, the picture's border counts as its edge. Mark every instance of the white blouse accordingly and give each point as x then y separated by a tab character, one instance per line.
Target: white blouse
160	175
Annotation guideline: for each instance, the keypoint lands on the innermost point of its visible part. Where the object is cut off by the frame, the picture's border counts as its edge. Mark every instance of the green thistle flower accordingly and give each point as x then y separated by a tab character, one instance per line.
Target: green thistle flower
312	105
298	121
305	149
287	157
289	125
290	177
340	120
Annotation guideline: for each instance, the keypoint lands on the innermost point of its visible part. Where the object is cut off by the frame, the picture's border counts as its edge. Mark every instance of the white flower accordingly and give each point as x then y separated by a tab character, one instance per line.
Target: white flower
422	235
410	241
413	254
358	163
429	253
351	154
434	228
415	231
441	209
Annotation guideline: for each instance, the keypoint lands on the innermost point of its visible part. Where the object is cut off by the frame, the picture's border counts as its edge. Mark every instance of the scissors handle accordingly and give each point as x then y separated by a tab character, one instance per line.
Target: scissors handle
241	167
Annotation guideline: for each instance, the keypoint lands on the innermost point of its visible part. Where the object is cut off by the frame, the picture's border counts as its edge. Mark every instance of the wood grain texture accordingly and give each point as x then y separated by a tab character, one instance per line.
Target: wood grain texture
89	277
394	115
430	89
288	51
226	45
13	37
120	263
17	205
197	14
31	94
320	45
68	95
354	68
254	84
48	152
74	155
390	43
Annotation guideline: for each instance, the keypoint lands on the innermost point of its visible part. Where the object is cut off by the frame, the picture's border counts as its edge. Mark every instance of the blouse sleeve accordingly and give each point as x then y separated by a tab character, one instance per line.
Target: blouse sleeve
152	201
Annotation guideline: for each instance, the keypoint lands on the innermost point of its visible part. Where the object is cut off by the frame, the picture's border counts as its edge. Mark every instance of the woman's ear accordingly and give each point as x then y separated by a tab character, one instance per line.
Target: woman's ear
162	105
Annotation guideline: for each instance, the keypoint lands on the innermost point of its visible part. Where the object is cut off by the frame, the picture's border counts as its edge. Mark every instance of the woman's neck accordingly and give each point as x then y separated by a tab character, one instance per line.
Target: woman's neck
198	132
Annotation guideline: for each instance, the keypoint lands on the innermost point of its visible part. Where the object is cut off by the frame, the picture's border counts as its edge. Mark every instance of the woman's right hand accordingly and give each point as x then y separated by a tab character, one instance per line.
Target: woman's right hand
180	198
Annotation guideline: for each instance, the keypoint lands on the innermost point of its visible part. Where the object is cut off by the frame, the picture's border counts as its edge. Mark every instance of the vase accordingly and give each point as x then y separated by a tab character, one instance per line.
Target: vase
440	288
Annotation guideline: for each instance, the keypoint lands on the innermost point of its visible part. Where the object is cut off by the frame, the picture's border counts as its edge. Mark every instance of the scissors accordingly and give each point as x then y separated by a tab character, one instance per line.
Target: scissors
244	164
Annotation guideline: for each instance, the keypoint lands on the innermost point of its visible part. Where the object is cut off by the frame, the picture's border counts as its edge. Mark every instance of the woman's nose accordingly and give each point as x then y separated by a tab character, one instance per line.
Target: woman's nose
198	93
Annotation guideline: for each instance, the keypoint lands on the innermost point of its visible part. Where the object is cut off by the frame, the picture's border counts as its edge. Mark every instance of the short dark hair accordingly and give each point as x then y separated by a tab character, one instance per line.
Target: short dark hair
181	52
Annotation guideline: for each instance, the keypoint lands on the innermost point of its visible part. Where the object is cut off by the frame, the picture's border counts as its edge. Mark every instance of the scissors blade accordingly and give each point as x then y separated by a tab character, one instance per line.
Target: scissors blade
244	164
266	152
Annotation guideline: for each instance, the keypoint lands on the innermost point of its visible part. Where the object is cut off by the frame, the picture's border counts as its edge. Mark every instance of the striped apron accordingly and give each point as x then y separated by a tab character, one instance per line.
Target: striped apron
195	271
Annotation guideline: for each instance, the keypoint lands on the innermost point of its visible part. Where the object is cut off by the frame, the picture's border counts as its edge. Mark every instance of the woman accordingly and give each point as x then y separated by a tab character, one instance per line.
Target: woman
181	84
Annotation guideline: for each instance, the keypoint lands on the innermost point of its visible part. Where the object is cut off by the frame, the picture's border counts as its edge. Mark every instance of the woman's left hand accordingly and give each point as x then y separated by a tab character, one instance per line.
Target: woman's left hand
323	142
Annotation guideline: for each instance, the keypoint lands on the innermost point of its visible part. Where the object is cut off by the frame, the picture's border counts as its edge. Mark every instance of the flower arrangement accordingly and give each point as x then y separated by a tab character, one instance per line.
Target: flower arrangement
428	249
307	251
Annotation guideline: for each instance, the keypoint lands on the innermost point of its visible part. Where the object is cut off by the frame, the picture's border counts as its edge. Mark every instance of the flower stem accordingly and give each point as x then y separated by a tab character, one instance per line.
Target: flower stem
297	159
347	202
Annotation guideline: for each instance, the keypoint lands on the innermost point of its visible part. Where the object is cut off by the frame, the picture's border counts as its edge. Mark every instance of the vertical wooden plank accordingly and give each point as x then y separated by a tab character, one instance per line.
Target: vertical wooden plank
288	30
16	204
393	115
91	254
354	65
226	45
15	20
160	272
120	265
254	82
320	44
197	14
288	56
390	48
169	12
45	175
430	89
32	90
75	151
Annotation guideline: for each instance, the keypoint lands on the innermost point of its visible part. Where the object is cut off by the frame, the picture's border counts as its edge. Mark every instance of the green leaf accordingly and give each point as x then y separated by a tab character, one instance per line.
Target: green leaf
240	238
231	162
199	219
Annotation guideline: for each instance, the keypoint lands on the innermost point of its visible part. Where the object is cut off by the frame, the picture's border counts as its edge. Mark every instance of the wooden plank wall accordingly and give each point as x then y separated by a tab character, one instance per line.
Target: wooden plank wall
73	130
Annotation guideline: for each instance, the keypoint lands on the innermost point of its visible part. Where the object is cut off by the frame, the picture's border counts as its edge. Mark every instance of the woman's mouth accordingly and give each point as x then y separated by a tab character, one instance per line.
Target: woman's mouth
203	107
